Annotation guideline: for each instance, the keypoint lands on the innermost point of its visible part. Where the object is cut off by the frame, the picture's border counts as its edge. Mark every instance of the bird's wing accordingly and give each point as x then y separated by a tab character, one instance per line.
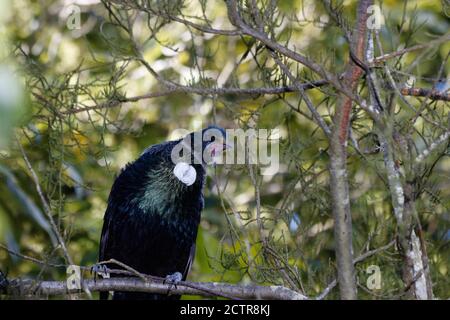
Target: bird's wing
104	237
189	262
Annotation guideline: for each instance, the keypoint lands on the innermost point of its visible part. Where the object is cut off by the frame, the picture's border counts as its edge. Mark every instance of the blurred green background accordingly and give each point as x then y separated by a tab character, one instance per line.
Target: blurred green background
48	70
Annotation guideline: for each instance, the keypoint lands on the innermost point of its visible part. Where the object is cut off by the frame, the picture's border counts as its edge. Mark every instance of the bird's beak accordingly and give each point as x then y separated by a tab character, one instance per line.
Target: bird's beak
217	147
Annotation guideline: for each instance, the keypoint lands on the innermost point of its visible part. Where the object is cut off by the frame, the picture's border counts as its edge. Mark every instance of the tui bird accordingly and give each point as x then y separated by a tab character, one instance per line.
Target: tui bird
154	209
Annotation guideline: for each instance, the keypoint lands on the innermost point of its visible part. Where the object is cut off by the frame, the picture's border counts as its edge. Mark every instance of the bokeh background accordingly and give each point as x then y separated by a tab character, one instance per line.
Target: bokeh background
48	71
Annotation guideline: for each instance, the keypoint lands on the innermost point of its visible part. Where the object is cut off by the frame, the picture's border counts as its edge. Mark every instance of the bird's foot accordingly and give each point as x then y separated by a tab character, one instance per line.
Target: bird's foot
173	279
101	270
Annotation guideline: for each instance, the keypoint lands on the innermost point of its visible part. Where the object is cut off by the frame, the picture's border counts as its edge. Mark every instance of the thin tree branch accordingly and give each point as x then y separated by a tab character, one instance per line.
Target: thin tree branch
236	20
394	54
317	117
436	143
428	93
45	204
200	91
361	258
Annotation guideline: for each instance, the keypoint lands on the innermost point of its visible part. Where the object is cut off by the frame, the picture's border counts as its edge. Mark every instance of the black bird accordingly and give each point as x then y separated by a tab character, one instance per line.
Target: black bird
154	209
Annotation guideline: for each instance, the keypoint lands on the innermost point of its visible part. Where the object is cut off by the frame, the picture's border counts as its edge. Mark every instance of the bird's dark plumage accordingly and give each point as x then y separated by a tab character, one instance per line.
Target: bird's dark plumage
152	218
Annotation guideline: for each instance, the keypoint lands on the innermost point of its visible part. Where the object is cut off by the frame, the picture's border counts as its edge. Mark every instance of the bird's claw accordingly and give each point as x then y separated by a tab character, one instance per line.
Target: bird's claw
173	279
100	269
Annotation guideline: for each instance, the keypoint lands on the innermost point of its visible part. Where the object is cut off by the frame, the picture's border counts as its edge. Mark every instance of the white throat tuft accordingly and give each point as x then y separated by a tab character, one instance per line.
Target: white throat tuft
185	173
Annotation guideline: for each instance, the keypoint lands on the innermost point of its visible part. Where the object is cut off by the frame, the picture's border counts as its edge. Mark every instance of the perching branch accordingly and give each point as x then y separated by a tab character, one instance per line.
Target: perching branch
150	284
24	287
140	283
